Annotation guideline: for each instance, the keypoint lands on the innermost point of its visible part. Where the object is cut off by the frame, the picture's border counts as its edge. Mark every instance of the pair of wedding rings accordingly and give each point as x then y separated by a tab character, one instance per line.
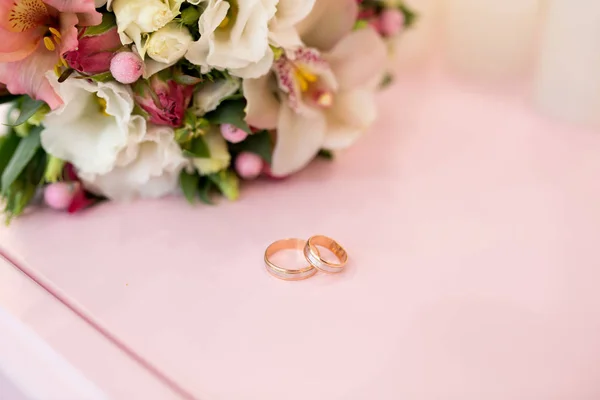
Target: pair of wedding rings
311	253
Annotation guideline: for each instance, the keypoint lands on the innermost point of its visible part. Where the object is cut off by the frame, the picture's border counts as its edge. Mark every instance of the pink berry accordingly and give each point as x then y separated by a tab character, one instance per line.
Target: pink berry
248	165
126	67
391	22
232	133
58	196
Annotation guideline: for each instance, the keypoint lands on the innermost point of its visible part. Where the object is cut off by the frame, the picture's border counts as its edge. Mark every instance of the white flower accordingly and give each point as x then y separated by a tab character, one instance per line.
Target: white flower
169	44
324	101
92	126
149	167
235	37
138	17
219	155
210	94
166	47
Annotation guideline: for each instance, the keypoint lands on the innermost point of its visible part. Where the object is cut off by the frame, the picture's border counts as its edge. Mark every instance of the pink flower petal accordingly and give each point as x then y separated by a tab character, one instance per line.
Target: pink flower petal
28	76
17	46
88	16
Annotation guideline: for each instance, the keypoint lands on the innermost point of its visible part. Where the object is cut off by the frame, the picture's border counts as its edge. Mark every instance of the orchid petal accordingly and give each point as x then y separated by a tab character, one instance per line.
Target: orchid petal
328	23
263	106
359	57
350	116
299	139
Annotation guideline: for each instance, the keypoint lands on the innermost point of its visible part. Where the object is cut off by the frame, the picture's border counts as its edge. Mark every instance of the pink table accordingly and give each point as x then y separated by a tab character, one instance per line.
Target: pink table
472	226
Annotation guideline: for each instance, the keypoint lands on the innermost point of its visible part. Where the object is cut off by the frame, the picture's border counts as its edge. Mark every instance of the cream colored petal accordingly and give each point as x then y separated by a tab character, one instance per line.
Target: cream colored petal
358	58
328	22
262	109
352	114
299	139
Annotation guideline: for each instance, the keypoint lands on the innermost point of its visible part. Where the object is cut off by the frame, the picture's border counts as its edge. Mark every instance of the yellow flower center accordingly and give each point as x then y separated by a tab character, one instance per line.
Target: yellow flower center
102	105
304	77
231	15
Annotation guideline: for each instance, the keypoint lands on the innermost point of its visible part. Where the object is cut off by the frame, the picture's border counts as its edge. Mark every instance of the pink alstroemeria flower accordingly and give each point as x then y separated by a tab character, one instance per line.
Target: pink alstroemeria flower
34	34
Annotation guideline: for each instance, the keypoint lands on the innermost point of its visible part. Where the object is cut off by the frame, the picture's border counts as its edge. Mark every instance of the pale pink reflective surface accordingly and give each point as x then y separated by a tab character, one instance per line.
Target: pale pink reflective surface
472	227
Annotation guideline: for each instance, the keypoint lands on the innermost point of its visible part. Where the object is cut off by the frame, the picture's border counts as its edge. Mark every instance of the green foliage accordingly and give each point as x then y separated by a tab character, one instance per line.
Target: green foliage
28	108
230	112
189	185
326	154
228	183
109	21
23	154
259	143
198	148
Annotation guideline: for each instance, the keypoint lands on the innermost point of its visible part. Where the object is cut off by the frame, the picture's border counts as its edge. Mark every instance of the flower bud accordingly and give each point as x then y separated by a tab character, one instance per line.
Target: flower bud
94	53
169	44
248	165
126	67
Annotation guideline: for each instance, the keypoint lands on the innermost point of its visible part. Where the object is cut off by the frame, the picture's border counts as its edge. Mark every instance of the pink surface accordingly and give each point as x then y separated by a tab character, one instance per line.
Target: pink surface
472	226
79	344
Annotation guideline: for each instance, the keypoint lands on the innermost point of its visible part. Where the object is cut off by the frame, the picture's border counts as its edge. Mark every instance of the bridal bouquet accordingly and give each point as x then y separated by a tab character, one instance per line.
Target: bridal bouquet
125	99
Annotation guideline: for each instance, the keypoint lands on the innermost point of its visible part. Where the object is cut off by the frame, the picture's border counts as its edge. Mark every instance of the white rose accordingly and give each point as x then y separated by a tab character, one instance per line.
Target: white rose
169	44
235	37
136	17
219	155
148	168
92	126
210	94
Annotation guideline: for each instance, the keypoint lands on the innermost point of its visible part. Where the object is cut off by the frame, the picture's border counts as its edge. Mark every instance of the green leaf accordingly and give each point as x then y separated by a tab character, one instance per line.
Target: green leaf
28	109
108	22
21	157
230	112
228	183
410	16
258	143
197	149
189	185
387	80
8	98
103	77
8	146
17	199
326	154
204	193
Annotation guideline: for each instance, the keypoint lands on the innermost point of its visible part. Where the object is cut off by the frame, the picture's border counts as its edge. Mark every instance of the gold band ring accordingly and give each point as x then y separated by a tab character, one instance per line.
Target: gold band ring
311	252
284	273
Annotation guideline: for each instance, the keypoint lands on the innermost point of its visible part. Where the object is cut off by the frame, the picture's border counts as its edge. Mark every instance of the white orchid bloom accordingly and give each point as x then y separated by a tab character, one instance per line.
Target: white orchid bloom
323	101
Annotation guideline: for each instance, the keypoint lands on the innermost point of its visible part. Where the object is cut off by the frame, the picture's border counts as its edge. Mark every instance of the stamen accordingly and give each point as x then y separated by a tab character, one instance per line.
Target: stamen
55	32
49	44
225	22
325	99
102	103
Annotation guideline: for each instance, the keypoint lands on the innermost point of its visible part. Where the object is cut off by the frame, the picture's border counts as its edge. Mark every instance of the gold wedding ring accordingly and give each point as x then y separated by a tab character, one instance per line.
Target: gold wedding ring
284	273
311	252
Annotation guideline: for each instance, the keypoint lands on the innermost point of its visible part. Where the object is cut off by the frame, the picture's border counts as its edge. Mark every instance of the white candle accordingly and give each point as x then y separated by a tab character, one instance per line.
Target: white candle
568	74
490	38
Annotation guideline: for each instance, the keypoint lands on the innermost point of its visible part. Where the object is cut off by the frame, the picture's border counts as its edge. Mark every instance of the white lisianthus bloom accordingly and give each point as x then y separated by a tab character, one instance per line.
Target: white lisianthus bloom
219	155
169	44
235	37
92	126
148	167
135	18
166	47
210	94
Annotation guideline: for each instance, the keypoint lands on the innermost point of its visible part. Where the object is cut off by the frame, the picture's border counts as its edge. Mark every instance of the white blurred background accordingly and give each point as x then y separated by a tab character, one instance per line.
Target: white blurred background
552	46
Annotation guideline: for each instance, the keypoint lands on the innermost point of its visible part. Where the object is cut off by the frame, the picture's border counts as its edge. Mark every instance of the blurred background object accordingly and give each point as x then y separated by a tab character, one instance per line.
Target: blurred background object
549	46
